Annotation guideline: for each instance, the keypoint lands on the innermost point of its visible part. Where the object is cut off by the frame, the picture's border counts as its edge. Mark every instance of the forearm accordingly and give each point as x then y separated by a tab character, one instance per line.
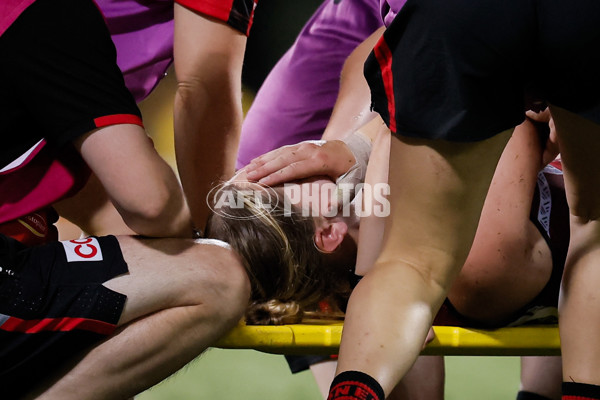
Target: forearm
510	195
509	262
207	129
208	109
92	211
140	184
352	107
168	216
372	223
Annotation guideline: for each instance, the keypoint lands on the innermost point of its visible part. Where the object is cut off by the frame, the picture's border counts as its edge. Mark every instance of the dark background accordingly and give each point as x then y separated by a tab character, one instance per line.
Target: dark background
276	25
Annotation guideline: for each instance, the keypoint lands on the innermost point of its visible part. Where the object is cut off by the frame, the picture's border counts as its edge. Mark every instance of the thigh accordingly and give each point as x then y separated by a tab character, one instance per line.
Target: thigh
168	273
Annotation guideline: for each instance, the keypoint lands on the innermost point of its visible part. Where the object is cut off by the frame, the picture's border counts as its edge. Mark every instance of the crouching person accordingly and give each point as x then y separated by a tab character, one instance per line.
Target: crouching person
108	317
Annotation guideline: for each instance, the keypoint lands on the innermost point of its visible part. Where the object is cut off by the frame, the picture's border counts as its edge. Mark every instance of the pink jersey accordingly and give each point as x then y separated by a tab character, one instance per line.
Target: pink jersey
10	11
143	34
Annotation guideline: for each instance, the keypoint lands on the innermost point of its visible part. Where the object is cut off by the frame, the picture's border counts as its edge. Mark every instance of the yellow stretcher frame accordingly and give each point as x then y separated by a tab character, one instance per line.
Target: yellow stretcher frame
538	340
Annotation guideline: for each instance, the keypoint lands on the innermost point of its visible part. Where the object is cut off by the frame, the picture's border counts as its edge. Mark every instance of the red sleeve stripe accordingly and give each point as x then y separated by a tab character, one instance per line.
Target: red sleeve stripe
571	397
66	324
118	119
384	58
251	18
218	9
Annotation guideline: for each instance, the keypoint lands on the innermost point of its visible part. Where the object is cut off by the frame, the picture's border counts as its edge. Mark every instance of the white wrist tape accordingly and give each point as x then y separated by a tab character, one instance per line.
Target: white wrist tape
360	145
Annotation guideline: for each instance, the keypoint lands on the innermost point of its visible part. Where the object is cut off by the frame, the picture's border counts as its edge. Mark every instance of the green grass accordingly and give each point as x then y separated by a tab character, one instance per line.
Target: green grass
476	378
250	375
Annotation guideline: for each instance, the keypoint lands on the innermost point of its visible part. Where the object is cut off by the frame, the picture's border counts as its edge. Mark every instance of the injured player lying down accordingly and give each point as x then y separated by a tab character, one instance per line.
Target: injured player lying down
516	261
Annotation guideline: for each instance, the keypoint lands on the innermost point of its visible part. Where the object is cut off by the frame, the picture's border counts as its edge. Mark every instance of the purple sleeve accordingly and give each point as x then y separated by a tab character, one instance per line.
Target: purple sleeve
295	101
143	35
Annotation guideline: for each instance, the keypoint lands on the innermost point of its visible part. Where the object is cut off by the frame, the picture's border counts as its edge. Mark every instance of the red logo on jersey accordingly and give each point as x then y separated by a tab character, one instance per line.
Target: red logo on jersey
87	249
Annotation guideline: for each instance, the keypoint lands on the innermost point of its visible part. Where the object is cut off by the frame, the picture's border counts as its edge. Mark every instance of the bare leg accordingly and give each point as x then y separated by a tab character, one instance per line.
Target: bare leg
141	355
173	312
324	373
424	381
542	375
437	193
579	142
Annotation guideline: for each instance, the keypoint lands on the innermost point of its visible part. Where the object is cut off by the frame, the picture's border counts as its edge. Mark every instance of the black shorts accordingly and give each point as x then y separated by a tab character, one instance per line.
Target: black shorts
53	305
59	77
457	69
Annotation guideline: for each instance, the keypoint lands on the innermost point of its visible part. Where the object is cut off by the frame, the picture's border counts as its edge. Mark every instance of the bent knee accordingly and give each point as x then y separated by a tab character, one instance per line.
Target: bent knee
227	288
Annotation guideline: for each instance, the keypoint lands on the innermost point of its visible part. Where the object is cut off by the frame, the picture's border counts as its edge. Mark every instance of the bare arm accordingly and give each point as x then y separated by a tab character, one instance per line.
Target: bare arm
208	108
333	159
138	181
352	108
371	225
92	211
510	261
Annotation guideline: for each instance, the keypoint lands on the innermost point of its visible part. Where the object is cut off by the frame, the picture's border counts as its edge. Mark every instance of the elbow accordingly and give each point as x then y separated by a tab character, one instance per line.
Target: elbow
221	87
164	213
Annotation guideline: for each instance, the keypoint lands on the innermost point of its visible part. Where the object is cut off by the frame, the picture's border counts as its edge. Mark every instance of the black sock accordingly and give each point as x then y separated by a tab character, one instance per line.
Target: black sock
580	391
524	395
355	385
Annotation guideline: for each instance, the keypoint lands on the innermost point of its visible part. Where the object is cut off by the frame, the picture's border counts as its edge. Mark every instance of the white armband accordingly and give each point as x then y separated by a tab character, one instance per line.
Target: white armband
360	145
214	242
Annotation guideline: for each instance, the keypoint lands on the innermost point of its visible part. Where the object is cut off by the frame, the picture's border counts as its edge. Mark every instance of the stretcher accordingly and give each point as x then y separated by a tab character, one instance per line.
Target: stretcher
324	339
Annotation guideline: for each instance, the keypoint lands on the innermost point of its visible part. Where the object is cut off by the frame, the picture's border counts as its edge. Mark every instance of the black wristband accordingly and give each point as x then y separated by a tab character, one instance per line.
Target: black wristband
355	385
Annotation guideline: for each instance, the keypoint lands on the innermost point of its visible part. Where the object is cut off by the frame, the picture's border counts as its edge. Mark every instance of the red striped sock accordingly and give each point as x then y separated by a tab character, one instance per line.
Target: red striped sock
355	385
580	391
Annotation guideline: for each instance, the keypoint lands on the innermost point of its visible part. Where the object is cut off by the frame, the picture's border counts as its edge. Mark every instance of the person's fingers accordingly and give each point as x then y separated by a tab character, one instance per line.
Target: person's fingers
291	172
258	172
260	161
297	162
430	336
271	162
